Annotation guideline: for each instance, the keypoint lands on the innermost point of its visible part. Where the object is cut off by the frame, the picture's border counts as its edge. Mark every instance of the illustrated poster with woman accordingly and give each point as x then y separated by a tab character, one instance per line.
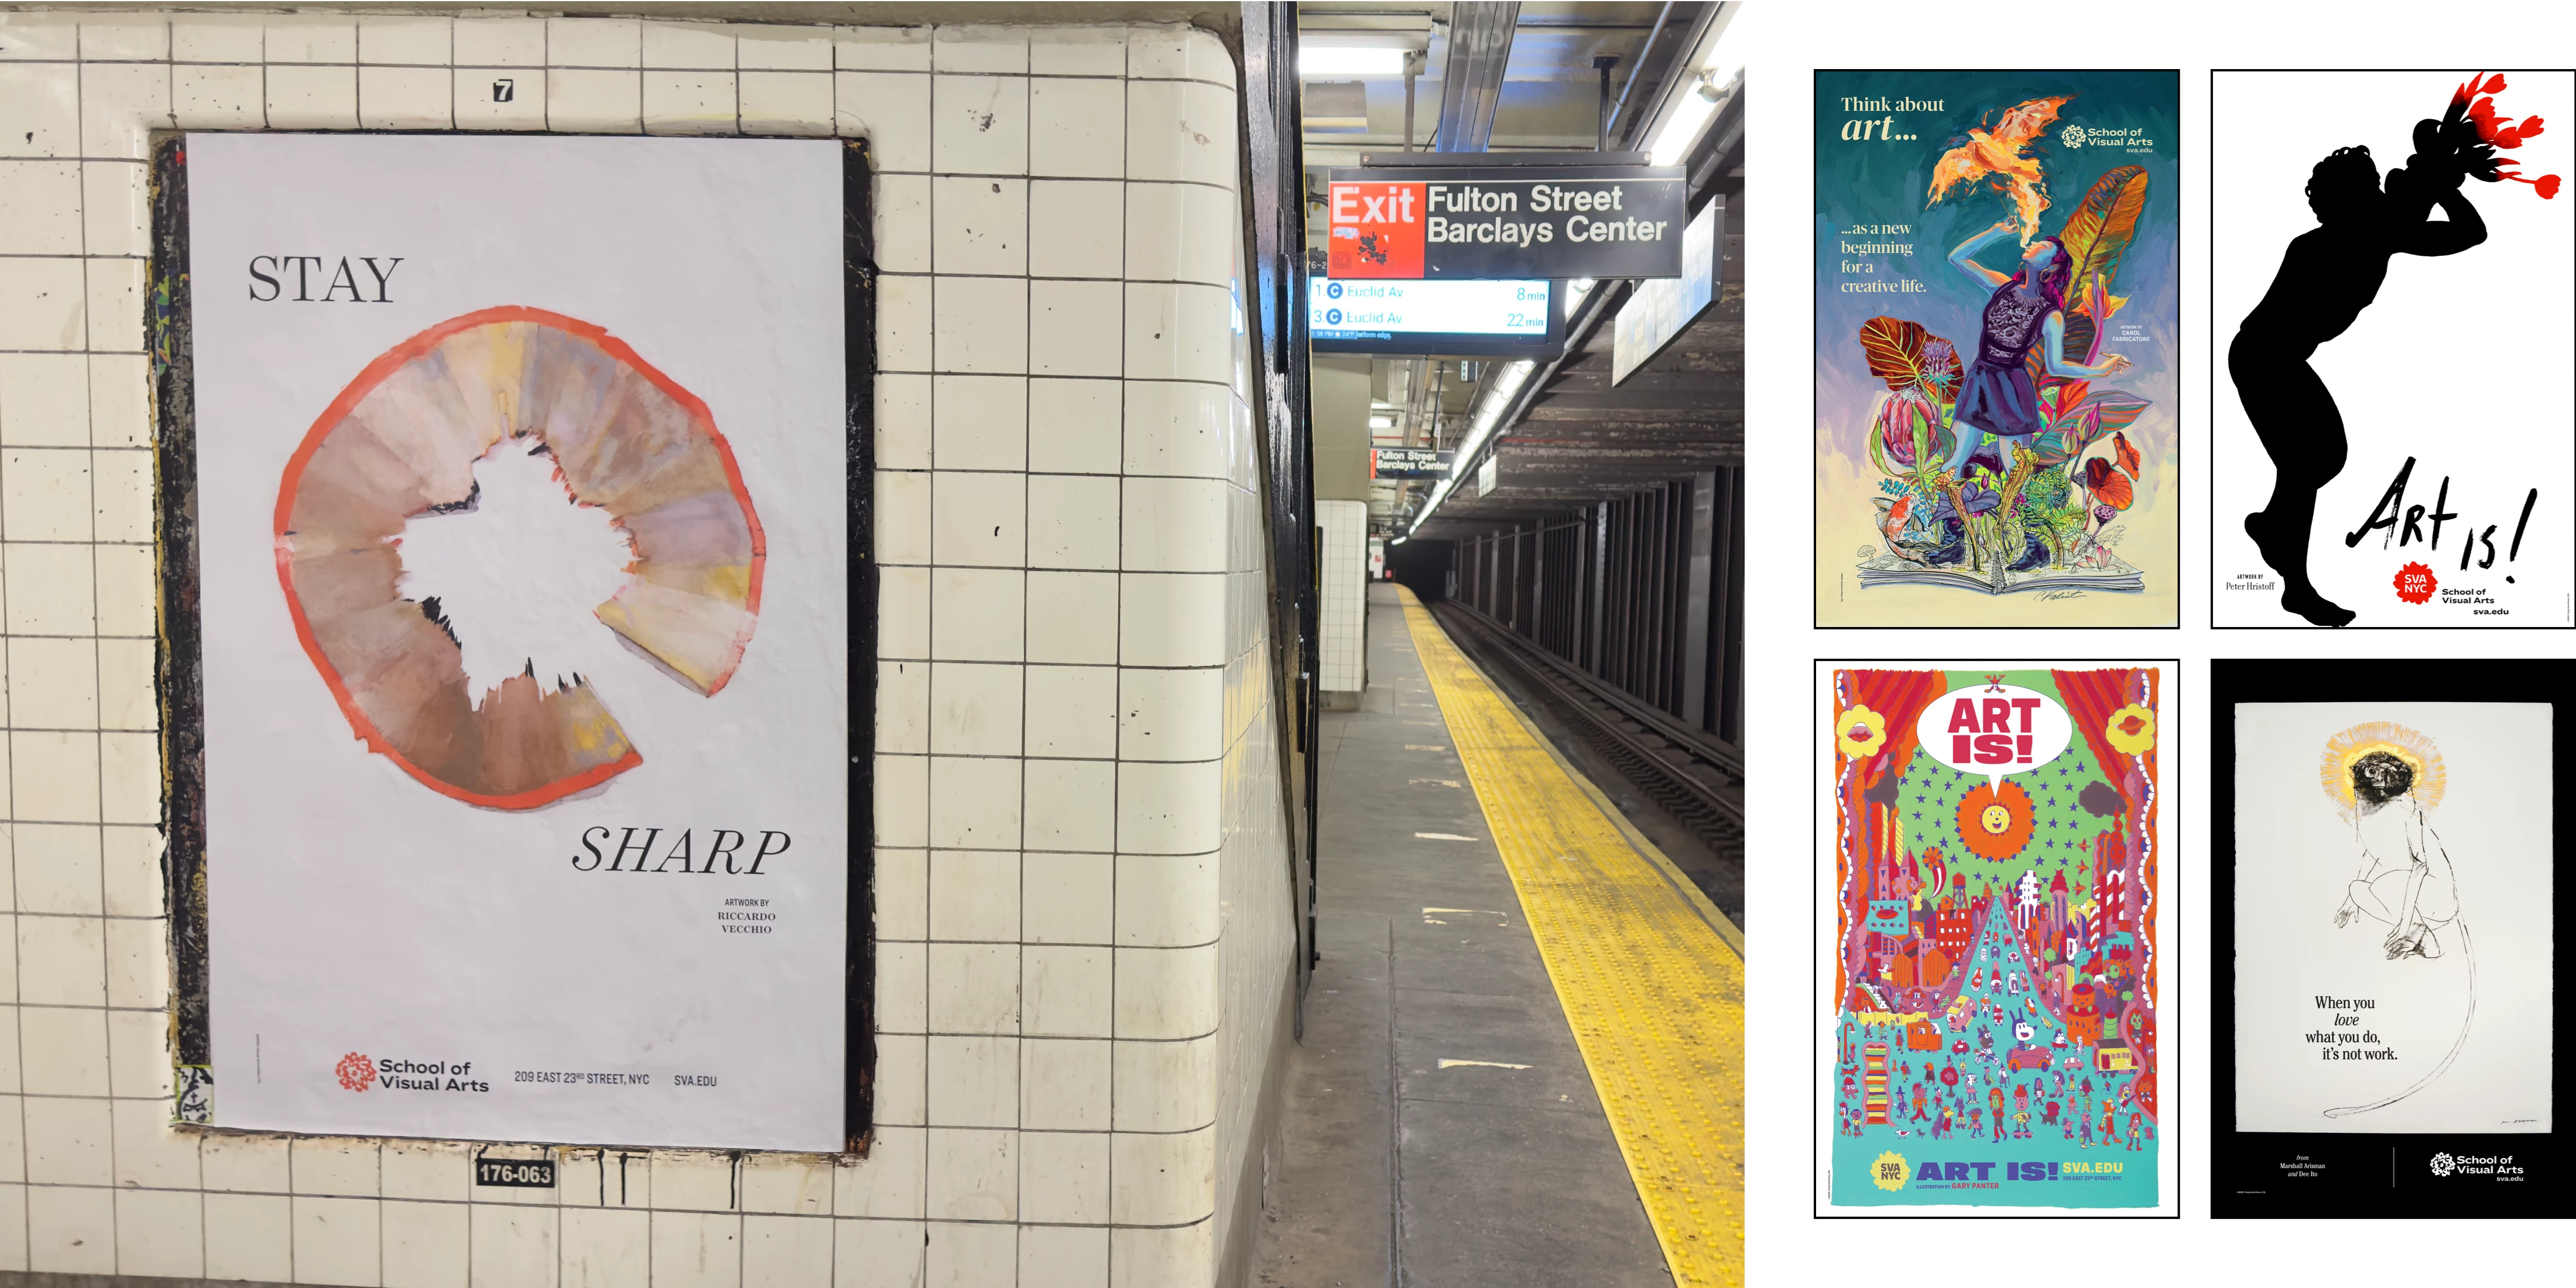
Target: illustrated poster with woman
1996	428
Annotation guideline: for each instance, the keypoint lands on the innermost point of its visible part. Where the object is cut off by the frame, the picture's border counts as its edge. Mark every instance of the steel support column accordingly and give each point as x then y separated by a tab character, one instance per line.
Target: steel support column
1702	552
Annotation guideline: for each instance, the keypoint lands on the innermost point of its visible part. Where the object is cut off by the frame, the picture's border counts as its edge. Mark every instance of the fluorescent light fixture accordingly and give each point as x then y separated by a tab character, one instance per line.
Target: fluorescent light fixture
1681	129
1502	386
1729	58
1381	422
1690	112
1348	61
1575	291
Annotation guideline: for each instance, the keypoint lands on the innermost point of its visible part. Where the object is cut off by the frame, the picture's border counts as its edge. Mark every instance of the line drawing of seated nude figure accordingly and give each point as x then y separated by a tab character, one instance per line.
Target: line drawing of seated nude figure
2406	881
2387	778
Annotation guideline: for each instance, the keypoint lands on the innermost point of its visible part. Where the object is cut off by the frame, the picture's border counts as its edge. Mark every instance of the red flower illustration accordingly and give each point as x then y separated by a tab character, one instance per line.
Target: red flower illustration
2415	583
356	1071
2498	131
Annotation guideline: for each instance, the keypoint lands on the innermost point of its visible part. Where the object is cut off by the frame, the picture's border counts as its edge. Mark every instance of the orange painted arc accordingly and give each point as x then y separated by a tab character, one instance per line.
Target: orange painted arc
374	374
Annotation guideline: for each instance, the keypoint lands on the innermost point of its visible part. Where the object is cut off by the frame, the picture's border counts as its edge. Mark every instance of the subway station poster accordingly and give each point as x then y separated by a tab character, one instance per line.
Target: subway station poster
2360	476
521	535
1996	932
2393	891
1997	359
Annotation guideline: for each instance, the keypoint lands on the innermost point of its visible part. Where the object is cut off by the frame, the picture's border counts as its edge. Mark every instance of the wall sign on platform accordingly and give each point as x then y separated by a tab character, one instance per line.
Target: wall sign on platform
1504	222
1661	310
522	559
515	1173
1408	463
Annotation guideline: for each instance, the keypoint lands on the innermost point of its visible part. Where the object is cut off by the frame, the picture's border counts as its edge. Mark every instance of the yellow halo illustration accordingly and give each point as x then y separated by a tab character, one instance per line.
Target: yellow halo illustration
2335	770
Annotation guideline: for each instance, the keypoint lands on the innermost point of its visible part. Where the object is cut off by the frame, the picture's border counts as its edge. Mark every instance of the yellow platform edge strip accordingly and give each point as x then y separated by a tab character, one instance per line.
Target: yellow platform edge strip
1715	916
1651	987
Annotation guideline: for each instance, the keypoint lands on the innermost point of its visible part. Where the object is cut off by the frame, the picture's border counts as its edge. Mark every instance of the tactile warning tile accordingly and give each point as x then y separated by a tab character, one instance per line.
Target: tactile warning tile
1655	997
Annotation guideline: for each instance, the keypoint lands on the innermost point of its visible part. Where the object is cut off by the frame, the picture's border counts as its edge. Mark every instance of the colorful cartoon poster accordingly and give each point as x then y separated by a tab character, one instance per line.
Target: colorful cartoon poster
2391	307
522	516
2392	928
1996	923
1997	437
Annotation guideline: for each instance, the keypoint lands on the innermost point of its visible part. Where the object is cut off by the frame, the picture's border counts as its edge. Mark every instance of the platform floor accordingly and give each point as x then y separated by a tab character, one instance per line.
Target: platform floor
1523	1052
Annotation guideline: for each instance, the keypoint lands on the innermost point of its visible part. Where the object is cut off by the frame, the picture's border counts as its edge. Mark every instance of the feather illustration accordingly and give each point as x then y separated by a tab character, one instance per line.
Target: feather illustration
2099	230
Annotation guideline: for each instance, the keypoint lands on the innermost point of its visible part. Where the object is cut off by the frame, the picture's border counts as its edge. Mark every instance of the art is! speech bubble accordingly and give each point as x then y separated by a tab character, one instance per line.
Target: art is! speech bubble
1993	729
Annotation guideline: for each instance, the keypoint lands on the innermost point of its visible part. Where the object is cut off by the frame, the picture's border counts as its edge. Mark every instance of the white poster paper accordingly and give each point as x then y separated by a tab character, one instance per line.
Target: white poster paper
575	405
2393	963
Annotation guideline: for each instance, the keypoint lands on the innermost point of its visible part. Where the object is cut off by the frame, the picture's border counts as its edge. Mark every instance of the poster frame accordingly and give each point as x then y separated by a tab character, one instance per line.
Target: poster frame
179	652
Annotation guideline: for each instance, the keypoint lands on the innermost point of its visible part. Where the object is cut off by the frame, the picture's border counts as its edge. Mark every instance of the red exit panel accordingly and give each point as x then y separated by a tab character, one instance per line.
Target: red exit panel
1377	230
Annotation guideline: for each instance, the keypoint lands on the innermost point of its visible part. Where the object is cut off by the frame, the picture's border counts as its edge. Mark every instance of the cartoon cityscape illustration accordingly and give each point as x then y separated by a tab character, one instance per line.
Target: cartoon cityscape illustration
1995	985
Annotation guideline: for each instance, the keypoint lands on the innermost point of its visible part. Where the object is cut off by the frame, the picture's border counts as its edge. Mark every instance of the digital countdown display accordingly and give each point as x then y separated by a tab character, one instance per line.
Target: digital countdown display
1515	317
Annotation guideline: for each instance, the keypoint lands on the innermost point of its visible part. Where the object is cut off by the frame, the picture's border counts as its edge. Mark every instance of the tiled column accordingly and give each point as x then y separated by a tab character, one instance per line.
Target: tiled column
1080	866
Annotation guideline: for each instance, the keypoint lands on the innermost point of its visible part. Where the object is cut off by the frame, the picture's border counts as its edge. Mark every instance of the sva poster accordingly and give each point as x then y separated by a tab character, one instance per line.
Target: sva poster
1997	437
1992	1030
522	554
2360	475
2393	888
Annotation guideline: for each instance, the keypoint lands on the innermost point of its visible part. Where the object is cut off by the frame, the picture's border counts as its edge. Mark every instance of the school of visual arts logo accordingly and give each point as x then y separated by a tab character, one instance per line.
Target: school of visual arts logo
1888	1172
2443	1163
2072	136
356	1071
2415	583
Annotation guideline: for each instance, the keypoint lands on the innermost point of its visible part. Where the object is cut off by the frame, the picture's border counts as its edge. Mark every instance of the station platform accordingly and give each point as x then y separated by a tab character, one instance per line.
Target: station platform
1523	1052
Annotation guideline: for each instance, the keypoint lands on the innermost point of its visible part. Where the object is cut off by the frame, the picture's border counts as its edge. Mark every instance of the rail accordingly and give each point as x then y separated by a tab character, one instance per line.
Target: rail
1695	778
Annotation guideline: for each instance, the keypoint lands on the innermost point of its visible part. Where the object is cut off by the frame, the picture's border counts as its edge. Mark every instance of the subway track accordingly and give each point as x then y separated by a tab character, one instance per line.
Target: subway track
1699	782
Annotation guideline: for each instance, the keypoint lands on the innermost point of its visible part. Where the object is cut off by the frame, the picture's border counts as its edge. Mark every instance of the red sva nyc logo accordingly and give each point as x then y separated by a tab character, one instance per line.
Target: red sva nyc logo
356	1071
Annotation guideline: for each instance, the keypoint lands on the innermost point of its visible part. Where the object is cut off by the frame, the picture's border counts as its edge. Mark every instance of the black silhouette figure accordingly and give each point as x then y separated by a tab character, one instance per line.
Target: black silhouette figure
2328	276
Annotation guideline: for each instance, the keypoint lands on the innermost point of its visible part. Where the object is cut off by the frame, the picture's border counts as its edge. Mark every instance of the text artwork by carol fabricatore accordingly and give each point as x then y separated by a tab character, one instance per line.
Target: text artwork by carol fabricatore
1995	348
1995	964
523	563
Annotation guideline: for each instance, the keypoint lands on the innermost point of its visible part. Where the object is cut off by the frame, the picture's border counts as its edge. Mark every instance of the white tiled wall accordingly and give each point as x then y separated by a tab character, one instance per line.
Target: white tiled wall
1084	925
1342	617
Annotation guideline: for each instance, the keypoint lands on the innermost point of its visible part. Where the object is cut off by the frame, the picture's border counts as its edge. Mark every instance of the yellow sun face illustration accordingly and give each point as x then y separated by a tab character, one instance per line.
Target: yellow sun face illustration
1995	824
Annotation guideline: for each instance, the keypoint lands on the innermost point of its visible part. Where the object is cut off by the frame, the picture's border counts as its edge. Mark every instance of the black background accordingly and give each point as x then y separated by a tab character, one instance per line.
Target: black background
2239	1170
